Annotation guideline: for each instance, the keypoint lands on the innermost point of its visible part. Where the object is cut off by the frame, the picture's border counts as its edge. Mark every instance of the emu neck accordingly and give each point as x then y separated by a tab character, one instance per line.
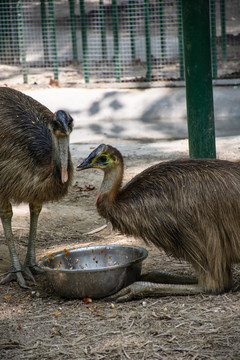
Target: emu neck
111	183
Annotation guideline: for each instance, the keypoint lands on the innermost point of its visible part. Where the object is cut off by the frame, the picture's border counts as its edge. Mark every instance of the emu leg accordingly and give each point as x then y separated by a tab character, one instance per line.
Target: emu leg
163	277
159	283
15	272
30	265
141	289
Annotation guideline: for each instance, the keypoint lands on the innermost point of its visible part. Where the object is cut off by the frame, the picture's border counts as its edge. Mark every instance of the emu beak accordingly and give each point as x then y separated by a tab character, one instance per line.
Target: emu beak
86	164
89	161
63	143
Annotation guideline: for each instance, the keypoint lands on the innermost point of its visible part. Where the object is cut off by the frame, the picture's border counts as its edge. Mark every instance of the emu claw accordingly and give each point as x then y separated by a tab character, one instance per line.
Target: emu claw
28	274
131	292
22	275
29	270
15	276
33	269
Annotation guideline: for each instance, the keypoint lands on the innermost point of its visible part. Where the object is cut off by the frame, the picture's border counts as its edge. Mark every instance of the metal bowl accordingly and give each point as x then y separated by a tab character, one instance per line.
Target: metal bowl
94	271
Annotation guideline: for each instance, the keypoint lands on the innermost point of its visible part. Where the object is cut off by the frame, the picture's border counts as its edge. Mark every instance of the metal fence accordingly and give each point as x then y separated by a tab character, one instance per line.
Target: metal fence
110	40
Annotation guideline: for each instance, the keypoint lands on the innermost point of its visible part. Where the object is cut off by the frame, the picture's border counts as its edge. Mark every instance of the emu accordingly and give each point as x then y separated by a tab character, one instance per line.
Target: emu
189	208
35	167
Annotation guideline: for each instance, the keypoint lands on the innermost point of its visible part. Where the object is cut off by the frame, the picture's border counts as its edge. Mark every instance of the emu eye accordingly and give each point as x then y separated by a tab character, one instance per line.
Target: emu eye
103	159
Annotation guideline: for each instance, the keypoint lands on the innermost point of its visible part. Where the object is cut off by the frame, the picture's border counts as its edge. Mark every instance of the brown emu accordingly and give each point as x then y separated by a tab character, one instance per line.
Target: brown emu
35	167
189	208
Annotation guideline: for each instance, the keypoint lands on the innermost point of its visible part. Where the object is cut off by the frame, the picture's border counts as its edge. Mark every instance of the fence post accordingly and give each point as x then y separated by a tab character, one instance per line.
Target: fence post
53	38
131	27
148	40
22	41
12	35
84	41
103	32
198	74
44	31
4	27
115	37
213	38
162	28
73	29
180	39
223	29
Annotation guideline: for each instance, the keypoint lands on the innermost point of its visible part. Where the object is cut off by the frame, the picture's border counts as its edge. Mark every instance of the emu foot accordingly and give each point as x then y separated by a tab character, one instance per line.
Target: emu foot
15	276
131	292
141	289
30	266
26	273
29	270
33	269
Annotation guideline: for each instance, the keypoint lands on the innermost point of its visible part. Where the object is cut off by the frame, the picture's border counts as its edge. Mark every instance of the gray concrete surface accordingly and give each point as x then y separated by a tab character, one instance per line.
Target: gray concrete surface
142	121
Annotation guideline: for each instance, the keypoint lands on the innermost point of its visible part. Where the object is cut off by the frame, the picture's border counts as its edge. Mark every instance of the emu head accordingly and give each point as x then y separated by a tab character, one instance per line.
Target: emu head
62	123
61	127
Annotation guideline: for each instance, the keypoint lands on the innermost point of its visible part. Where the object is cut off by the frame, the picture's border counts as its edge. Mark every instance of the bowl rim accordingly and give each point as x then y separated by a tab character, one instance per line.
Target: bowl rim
95	247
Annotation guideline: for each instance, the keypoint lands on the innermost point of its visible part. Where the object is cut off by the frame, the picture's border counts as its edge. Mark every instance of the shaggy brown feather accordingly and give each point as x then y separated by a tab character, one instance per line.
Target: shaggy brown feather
29	166
35	163
190	208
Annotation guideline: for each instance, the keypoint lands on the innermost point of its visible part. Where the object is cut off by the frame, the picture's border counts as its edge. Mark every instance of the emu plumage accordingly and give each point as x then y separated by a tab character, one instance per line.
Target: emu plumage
35	167
189	208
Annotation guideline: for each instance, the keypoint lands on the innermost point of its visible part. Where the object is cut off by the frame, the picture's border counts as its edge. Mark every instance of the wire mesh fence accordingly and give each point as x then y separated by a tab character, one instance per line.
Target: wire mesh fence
110	40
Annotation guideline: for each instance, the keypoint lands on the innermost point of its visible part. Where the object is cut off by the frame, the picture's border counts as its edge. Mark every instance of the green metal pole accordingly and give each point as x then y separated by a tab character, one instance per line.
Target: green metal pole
213	38
12	34
131	4
73	29
22	41
162	28
147	40
223	29
103	32
84	41
3	27
53	38
44	31
198	74
180	39
116	41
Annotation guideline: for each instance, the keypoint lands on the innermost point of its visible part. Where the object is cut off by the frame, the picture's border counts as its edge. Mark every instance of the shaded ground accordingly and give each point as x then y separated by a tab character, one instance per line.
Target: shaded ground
36	324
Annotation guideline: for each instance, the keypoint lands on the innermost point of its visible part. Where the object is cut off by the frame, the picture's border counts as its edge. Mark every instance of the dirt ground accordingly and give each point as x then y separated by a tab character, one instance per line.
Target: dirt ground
36	324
